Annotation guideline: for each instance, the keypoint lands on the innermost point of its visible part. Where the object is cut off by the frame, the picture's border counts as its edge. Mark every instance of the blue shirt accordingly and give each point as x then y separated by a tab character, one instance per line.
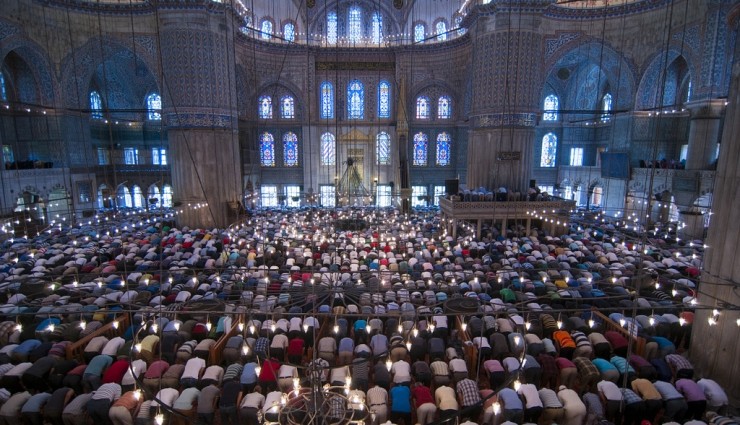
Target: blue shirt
249	374
511	399
603	365
400	399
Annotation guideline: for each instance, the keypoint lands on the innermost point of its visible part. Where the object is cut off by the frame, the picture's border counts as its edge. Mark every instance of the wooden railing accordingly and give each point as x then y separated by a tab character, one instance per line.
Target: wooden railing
638	342
112	329
215	353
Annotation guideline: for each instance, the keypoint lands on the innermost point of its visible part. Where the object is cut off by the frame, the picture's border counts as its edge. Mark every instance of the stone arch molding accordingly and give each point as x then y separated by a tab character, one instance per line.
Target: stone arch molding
583	53
278	88
79	66
647	92
12	40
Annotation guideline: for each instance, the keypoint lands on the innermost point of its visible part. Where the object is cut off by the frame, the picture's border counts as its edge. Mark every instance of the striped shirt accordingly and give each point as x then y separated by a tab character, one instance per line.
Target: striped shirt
109	391
234	371
678	362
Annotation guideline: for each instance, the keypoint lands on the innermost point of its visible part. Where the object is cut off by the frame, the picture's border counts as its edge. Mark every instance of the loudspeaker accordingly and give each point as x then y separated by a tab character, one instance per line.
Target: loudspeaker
532	184
452	186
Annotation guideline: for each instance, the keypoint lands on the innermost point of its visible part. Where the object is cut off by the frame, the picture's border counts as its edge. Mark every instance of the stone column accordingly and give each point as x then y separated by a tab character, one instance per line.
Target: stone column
199	93
715	348
704	129
506	86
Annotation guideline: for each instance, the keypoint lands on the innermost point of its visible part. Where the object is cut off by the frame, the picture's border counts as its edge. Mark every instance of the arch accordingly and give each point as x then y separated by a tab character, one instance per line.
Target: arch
123	197
383	148
276	91
444	142
37	60
550	106
289	31
421	143
266	28
444	107
264	105
355	100
105	197
423	108
152	194
440	29
154	107
287	107
59	205
586	64
420	32
384	99
267	150
137	197
167	196
549	150
661	84
133	78
332	19
328	149
327	100
290	149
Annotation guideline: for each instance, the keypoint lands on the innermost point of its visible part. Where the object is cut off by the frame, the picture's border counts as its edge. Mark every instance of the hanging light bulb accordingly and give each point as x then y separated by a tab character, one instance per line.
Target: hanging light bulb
388	364
305	327
154	328
517	385
408	345
559	323
651	321
273	328
464	326
622	322
496	407
257	370
245	349
159	419
517	340
527	325
591	323
83	325
681	321
115	324
251	329
137	347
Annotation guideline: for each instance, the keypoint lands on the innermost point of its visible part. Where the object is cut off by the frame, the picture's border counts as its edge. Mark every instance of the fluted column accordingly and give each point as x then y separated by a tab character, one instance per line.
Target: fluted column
506	81
704	129
200	112
715	348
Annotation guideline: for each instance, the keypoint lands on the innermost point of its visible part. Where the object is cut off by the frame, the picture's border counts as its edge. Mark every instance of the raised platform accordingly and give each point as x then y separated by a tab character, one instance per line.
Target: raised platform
552	214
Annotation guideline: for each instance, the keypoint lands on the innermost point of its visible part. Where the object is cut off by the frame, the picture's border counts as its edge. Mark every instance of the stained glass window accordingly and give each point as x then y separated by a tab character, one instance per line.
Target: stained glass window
266	29
265	105
289	32
420	149
444	108
419	33
377	27
606	107
441	29
551	106
549	150
154	107
3	90
384	99
383	146
354	27
331	27
290	149
328	149
458	25
355	100
327	100
267	150
287	107
422	108
443	149
96	105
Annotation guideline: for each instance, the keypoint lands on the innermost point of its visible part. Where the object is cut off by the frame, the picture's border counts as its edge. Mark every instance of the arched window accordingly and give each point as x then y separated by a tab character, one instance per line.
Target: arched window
289	32
124	197
421	143
153	193
354	24
154	107
3	90
290	149
443	149
96	105
167	196
331	27
384	99
267	150
355	100
440	28
383	148
549	150
265	105
266	29
606	107
419	33
422	108
287	107
327	100
377	27
328	149
551	106
138	197
444	108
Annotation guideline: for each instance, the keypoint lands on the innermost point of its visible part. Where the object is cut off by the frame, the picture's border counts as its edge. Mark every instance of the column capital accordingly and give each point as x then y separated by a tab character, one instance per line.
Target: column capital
707	108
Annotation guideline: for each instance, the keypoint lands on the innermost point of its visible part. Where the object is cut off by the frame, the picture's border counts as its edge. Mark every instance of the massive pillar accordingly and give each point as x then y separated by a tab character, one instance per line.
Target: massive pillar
200	112
704	131
715	348
506	81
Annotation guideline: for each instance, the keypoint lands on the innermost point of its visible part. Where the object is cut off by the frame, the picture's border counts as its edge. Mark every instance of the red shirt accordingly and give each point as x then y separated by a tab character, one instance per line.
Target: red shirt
156	369
564	363
422	395
616	340
295	347
269	370
114	373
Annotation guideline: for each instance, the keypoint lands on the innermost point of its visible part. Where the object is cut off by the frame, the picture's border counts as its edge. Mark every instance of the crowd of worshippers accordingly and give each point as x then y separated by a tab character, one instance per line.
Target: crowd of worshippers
362	309
501	194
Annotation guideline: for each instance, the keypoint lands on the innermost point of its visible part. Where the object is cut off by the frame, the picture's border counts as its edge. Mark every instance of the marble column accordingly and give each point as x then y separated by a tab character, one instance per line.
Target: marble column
506	84
715	348
199	99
